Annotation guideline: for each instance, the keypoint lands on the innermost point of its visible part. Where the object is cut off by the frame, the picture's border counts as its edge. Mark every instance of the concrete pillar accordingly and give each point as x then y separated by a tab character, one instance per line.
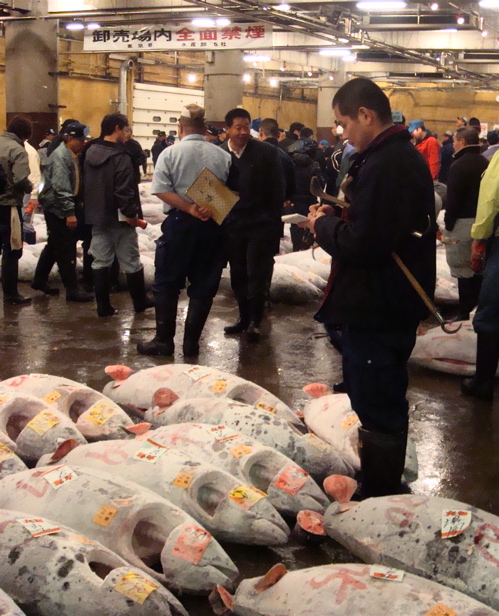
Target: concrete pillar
223	83
327	90
31	74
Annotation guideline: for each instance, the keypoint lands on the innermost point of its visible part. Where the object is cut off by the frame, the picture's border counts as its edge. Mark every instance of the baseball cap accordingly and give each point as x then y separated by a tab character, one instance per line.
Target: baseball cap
212	130
449	133
161	133
415	124
463	119
50	131
324	142
76	130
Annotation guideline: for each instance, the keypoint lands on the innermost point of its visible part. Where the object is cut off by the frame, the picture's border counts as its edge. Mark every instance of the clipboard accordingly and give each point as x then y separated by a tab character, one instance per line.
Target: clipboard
210	192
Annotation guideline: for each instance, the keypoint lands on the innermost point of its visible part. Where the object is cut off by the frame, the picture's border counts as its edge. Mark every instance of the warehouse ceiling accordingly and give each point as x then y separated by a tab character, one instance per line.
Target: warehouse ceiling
449	44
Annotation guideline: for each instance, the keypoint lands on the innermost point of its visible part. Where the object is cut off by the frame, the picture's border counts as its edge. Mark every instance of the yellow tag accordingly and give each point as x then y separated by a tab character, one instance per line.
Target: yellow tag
440	610
350	421
136	587
183	480
219	386
52	397
43	422
5	452
3	399
240	451
105	515
246	496
101	413
265	407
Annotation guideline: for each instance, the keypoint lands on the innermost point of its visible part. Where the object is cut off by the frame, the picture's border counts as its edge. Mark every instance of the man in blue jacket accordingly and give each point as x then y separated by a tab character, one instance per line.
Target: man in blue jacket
61	178
391	195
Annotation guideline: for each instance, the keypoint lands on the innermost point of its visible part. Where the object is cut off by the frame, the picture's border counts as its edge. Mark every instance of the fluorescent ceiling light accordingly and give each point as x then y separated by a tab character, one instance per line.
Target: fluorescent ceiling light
75	25
273	82
434	6
448	30
256	58
191	78
283	7
381	5
337	52
223	21
351	57
246	77
93	26
203	22
489	4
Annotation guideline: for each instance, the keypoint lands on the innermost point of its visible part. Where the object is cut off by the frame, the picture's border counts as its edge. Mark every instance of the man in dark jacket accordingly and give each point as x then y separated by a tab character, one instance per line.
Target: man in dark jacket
292	135
460	211
158	146
253	223
111	208
446	154
391	195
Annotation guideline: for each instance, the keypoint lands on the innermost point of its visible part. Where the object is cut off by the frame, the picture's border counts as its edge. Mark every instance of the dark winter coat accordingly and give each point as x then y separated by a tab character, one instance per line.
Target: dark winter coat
287	167
446	160
391	196
109	184
305	170
463	184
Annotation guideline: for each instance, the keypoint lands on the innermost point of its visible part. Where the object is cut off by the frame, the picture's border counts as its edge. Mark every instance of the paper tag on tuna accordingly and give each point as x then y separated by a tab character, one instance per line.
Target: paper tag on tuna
196	373
38	526
222	433
150	452
265	407
59	476
183	480
219	386
241	450
105	515
136	587
246	496
52	397
454	522
386	573
350	421
291	480
5	452
441	610
43	422
191	544
101	413
3	399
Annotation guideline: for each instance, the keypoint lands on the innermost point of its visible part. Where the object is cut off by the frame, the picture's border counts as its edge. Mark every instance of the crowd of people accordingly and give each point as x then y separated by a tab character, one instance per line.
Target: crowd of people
387	172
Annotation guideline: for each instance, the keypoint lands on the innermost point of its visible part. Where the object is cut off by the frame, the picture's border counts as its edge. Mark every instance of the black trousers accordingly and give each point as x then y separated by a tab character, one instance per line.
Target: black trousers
376	377
251	258
60	249
5	230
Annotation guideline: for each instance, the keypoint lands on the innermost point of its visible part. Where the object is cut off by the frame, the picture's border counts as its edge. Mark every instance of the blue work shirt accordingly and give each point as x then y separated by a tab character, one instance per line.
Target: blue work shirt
179	166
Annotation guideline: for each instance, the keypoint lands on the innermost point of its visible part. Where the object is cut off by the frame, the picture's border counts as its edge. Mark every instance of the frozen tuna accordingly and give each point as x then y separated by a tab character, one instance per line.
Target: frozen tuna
307	450
8	607
95	416
139	390
452	353
145	529
289	488
304	260
291	285
344	590
229	509
9	462
438	538
332	419
36	427
49	569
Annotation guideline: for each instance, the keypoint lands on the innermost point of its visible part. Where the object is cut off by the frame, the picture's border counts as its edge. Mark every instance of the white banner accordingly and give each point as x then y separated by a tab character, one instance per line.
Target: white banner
183	36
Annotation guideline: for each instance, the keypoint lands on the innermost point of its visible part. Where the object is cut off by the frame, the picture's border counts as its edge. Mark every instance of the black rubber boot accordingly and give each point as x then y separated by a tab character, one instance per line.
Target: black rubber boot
101	288
469	289
137	290
42	272
244	319
198	312
481	386
10	273
257	307
382	461
166	322
44	287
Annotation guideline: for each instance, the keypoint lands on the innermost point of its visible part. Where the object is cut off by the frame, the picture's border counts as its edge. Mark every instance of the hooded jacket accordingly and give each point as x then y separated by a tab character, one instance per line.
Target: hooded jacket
109	184
15	162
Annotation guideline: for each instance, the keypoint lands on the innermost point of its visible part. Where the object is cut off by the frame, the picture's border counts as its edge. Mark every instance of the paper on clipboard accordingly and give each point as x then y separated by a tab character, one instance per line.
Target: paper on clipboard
210	192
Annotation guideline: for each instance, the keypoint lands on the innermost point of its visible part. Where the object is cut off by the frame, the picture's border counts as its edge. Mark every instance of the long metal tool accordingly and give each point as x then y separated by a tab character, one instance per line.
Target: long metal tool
316	191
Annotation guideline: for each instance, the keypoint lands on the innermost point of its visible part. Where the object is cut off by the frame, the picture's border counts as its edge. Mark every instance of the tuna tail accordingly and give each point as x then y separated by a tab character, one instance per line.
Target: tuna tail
273	575
119	373
63	450
221	601
137	429
164	397
317	390
340	488
309	527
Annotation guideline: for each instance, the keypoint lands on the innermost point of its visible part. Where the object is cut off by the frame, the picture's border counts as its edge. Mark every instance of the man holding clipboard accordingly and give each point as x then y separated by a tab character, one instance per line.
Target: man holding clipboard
191	245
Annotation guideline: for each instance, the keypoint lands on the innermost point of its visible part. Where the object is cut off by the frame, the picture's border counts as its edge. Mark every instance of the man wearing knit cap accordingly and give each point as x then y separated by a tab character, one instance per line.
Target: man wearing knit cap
191	245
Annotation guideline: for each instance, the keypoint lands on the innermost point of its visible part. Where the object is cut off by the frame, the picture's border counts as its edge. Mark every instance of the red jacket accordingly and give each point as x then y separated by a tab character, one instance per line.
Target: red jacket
430	149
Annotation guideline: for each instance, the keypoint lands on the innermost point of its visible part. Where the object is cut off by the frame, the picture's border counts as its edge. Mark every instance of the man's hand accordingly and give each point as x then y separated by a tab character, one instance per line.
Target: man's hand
315	212
71	222
32	206
199	212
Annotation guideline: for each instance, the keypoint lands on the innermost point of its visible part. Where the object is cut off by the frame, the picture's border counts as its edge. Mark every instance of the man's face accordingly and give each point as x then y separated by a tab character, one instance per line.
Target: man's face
458	143
356	130
239	132
76	145
460	122
128	133
121	133
418	134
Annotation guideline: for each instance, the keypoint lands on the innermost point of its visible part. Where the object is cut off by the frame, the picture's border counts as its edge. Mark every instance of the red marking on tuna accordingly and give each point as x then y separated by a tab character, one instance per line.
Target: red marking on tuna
487	533
16	381
347	579
22	485
409	503
107	456
400	517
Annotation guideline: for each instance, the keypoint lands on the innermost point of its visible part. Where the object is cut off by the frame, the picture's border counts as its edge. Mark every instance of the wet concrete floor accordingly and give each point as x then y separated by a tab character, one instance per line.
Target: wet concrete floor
457	438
